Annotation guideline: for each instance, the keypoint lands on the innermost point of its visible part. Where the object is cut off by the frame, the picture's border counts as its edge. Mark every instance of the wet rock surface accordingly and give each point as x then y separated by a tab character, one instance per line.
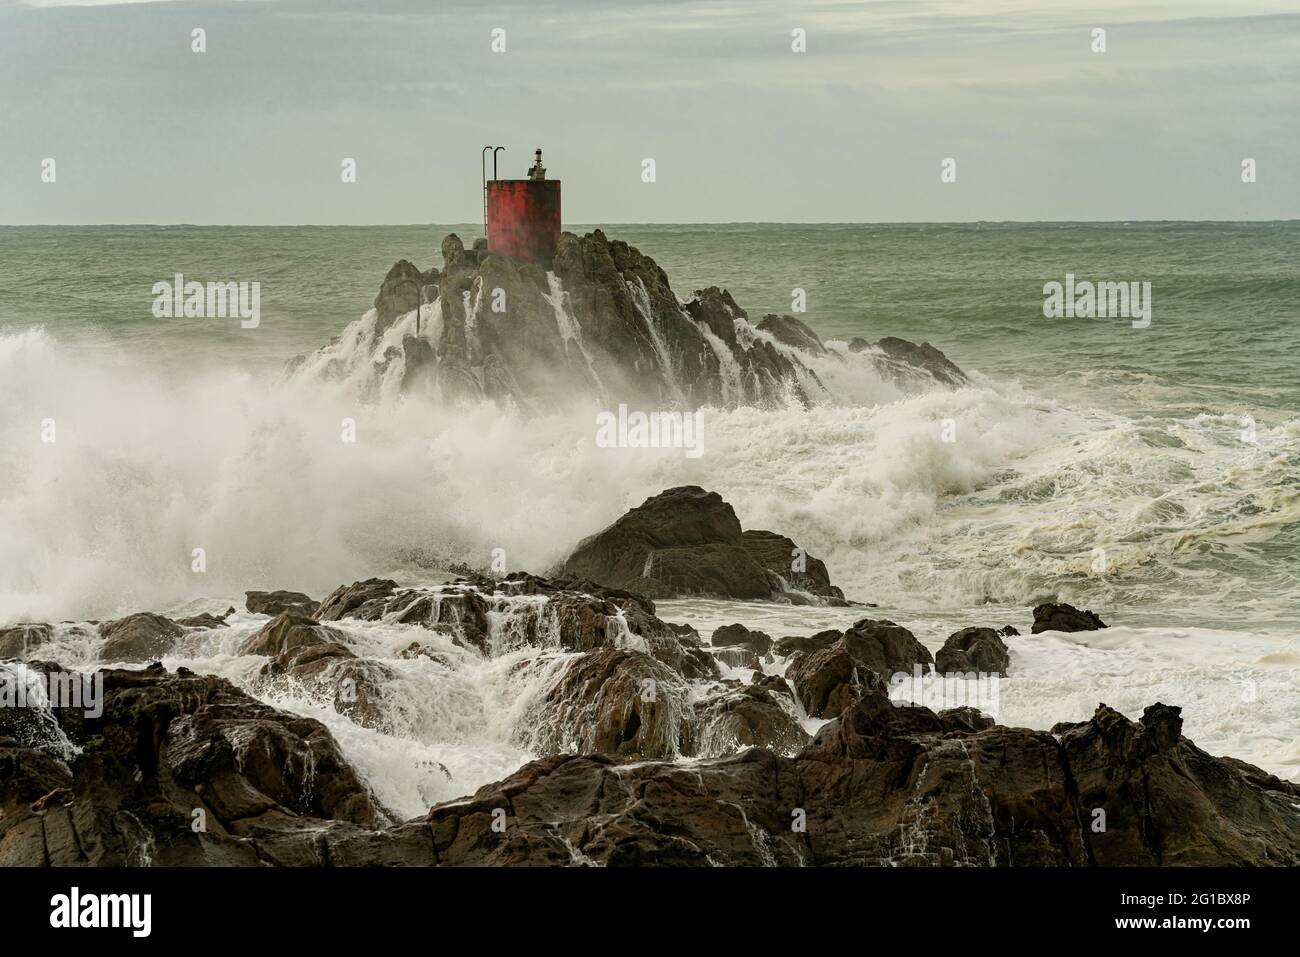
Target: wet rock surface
615	702
141	637
879	784
757	715
274	602
688	541
621	699
19	640
979	650
1062	617
600	320
169	750
883	785
737	635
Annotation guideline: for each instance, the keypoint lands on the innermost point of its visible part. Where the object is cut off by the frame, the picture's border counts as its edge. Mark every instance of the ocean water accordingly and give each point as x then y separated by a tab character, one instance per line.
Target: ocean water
1152	475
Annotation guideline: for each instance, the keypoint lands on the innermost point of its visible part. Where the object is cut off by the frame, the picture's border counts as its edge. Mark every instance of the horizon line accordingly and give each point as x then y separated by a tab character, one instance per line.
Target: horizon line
732	222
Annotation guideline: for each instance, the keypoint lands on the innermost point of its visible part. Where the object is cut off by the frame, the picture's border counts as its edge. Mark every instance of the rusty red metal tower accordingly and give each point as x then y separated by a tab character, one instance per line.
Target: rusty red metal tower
522	216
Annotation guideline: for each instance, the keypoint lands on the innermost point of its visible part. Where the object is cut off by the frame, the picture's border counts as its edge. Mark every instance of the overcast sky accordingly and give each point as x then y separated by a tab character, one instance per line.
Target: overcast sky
740	127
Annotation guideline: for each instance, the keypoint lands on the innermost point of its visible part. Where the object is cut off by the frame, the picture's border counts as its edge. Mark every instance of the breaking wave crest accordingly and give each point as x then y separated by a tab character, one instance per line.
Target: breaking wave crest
946	498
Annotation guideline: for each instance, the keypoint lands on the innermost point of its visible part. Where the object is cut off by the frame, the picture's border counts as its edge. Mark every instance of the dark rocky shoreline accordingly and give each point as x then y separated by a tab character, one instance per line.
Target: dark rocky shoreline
187	769
878	785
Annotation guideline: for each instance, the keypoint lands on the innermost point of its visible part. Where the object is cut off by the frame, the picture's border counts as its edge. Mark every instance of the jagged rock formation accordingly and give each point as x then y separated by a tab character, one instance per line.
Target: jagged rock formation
170	751
883	785
839	667
603	322
686	541
906	363
879	784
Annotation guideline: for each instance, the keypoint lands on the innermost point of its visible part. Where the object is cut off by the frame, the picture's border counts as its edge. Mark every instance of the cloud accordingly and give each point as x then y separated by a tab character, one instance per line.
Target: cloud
742	128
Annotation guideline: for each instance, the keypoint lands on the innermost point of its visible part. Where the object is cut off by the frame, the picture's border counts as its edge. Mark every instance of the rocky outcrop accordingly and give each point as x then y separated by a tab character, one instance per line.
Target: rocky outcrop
884	785
368	600
885	648
273	602
827	681
839	667
793	644
599	320
891	786
138	638
614	702
979	650
756	715
286	631
205	620
682	541
792	332
183	769
1062	617
20	640
687	541
317	659
906	359
797	570
738	635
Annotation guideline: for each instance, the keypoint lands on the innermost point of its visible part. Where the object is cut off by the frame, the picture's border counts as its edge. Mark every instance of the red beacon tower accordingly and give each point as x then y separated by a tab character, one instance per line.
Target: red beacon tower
522	216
